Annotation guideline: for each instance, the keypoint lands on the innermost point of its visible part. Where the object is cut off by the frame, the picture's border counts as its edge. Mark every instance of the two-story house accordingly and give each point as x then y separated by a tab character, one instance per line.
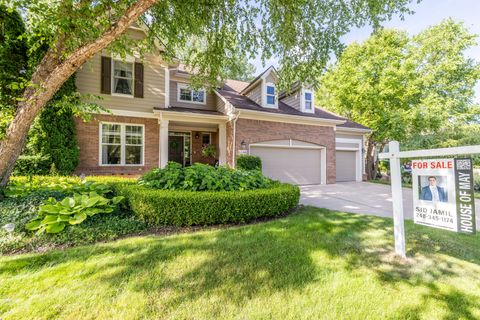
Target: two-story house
157	117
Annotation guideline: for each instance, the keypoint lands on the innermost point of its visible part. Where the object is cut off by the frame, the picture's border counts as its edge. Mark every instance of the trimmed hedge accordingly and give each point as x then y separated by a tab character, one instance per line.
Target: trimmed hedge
186	208
248	162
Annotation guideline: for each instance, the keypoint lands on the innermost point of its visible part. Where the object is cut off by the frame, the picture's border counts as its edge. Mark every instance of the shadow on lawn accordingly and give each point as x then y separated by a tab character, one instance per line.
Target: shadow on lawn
238	263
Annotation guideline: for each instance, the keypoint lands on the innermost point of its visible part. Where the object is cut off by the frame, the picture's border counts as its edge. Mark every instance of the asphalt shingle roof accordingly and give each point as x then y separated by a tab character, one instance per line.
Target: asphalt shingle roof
243	102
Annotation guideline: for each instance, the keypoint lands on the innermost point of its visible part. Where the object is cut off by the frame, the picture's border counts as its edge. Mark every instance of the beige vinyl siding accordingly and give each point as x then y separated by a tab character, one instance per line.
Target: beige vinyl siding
221	106
293	100
271	78
210	101
256	93
88	81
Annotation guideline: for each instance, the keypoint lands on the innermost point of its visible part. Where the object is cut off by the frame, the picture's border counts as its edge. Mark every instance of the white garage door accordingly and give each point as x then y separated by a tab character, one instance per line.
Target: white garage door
346	163
290	164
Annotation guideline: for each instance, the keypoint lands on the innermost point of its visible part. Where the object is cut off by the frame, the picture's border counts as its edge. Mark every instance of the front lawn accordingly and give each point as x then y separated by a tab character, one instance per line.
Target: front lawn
314	264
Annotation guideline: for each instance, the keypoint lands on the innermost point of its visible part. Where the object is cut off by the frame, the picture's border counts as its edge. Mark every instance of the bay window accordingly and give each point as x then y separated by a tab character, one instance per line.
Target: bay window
121	144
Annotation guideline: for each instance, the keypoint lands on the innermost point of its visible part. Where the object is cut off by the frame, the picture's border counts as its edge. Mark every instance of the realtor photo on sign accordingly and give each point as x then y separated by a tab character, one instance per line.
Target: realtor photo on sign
433	188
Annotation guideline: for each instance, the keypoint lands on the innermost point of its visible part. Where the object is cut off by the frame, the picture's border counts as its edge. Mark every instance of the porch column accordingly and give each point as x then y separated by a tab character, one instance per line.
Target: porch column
163	140
222	144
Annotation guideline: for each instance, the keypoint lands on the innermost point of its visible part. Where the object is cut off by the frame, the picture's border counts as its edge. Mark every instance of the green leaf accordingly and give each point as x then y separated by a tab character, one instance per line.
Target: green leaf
33	225
55	227
117	200
49	219
78	218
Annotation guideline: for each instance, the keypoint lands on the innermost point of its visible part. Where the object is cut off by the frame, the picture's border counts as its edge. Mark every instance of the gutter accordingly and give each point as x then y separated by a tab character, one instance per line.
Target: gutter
305	119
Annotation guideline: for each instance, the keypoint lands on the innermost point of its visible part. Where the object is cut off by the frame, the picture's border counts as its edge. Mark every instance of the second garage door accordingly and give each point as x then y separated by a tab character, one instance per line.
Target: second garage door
346	163
290	164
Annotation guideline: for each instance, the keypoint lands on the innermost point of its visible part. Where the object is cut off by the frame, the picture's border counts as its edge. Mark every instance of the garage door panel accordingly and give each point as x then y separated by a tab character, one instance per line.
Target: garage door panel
346	166
292	165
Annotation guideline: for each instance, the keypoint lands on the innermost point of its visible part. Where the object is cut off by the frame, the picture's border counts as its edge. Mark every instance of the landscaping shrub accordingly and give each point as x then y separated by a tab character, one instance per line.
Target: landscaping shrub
19	209
185	208
202	177
32	165
247	162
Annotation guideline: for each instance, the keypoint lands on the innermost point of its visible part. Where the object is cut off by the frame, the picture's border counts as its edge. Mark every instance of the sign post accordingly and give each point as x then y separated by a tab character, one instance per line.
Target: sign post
397	199
449	206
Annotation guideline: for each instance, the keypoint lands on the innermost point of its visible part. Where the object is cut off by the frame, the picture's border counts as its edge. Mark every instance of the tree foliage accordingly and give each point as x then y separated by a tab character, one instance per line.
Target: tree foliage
400	86
13	63
301	34
53	136
404	86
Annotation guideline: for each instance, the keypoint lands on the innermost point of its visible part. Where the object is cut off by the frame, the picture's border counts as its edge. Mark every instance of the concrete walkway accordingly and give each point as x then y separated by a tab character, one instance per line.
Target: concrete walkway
362	198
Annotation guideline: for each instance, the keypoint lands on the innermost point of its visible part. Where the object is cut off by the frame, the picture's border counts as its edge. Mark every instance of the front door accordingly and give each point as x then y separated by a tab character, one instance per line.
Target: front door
176	149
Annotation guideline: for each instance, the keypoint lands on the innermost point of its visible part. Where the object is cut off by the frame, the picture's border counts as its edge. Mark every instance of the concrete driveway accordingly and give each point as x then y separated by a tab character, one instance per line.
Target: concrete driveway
361	197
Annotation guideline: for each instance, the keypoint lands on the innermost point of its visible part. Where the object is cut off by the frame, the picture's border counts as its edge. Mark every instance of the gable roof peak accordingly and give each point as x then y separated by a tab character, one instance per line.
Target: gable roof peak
261	76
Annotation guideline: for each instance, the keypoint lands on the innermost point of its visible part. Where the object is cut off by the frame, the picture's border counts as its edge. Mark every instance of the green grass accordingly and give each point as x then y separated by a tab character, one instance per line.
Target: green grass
405	185
314	264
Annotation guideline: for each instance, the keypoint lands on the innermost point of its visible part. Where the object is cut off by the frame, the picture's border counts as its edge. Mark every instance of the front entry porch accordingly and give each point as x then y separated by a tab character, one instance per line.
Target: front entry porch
189	145
183	137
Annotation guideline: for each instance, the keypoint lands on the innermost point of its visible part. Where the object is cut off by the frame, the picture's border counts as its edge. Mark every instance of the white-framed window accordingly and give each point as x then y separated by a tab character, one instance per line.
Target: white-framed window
206	138
187	94
308	101
121	144
270	94
122	77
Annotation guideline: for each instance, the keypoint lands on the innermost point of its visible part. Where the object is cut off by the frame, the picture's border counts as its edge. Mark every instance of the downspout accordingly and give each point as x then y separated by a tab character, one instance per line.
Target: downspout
235	139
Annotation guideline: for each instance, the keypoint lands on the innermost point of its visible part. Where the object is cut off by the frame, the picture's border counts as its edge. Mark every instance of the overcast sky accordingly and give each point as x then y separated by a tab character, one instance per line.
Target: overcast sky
427	13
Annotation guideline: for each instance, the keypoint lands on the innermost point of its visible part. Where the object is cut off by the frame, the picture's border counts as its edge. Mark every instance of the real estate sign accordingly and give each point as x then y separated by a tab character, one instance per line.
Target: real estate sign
443	195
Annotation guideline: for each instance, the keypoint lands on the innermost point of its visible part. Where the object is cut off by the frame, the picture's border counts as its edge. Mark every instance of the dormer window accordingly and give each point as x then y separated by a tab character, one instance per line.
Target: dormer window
270	95
307	101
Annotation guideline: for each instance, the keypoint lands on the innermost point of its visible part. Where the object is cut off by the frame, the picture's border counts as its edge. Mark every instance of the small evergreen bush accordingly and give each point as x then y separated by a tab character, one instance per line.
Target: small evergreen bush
248	162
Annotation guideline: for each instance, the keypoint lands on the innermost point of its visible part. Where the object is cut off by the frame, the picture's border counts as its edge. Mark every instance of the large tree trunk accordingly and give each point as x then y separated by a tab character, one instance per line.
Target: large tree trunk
370	160
49	76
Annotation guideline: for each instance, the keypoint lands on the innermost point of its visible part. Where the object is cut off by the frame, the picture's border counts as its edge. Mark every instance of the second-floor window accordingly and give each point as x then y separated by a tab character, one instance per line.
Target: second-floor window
186	94
270	94
122	77
308	101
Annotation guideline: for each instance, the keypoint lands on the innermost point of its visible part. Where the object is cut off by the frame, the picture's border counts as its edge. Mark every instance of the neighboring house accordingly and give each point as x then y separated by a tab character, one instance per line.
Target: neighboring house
156	117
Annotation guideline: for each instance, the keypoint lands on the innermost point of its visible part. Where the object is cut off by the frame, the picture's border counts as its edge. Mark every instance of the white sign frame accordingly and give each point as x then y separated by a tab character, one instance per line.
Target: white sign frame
394	155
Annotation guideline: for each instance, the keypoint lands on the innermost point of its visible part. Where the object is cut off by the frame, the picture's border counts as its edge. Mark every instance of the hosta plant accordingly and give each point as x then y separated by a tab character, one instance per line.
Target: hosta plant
53	216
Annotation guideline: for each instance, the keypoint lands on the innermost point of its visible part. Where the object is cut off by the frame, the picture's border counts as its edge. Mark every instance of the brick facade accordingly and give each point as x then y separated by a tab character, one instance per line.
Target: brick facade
254	131
88	142
197	147
250	131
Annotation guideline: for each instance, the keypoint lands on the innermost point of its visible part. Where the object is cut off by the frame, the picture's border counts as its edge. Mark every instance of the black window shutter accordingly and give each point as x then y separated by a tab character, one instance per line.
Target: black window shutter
138	90
106	81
